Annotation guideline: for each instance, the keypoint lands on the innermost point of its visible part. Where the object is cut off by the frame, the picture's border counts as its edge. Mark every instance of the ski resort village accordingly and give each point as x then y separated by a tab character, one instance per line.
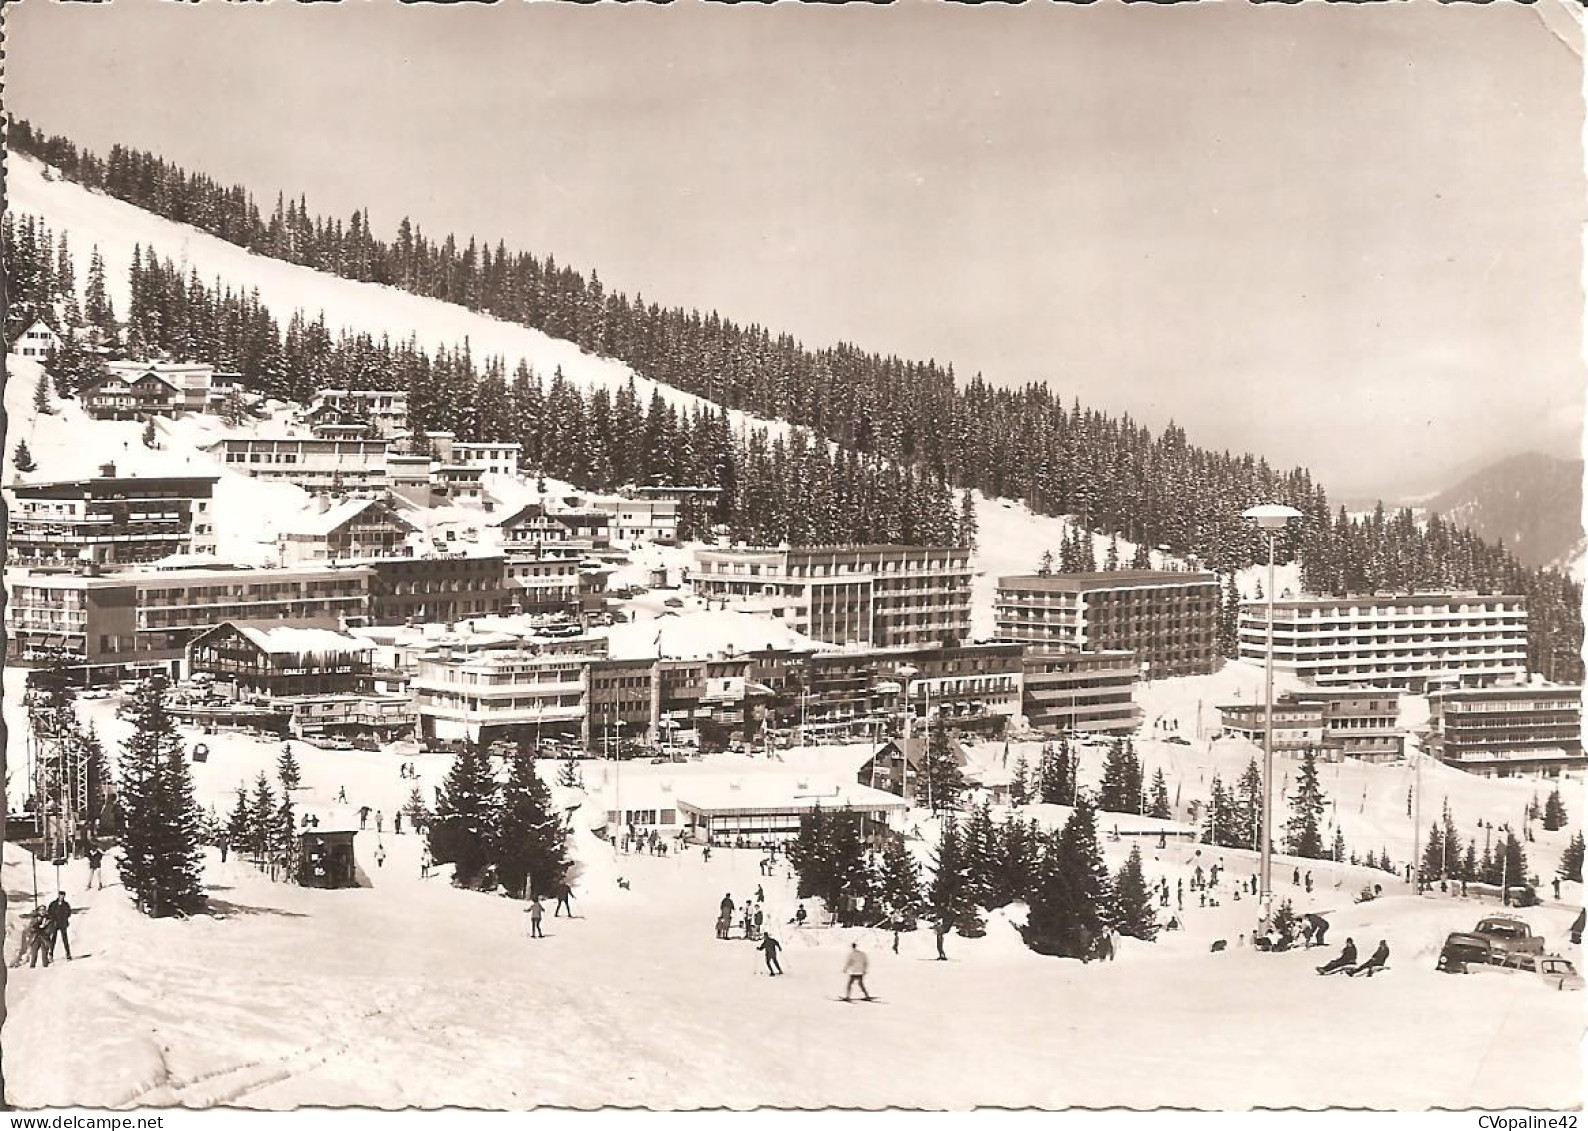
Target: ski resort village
433	678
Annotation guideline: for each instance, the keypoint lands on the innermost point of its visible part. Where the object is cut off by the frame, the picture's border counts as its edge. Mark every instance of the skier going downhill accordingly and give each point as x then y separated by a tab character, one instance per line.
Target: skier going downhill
855	967
770	946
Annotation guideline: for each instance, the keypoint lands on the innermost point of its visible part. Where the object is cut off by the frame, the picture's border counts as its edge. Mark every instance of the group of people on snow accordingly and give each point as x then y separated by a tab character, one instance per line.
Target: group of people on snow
42	929
752	915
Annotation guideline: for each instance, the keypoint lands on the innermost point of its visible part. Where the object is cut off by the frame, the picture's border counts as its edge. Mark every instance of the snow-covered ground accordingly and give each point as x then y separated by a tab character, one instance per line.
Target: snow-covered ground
408	992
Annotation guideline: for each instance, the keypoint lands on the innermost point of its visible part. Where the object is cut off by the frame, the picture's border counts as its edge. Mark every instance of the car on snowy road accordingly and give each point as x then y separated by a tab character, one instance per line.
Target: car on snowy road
1509	935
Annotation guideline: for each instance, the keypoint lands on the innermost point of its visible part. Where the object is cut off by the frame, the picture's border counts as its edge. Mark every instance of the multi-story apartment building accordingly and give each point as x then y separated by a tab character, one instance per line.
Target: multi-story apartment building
385	409
623	705
1085	691
439	589
109	520
144	618
349	530
1508	731
1412	643
643	520
878	595
515	694
1168	619
1345	722
408	476
314	463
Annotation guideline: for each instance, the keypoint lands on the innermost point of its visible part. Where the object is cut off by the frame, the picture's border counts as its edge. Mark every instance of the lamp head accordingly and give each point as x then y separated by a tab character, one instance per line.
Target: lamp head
1271	516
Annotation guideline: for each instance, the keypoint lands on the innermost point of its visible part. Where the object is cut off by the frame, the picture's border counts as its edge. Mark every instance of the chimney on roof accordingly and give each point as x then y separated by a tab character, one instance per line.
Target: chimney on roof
107	471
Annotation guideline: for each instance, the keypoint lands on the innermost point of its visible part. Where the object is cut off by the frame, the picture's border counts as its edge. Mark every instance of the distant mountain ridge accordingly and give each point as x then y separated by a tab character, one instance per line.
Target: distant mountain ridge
1531	502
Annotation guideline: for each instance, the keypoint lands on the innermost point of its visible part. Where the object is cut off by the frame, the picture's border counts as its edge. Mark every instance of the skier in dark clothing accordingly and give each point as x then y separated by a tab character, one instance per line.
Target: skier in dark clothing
96	856
363	817
60	914
564	898
770	946
1374	964
1346	960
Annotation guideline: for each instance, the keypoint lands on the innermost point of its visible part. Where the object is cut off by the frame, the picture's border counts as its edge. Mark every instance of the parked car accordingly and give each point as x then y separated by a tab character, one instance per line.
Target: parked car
334	742
1177	740
674	602
96	693
1463	952
1558	973
1509	935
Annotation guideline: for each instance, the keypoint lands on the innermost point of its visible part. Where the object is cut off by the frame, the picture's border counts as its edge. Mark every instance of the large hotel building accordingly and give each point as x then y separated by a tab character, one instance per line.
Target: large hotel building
109	520
1414	643
1168	619
1508	731
883	596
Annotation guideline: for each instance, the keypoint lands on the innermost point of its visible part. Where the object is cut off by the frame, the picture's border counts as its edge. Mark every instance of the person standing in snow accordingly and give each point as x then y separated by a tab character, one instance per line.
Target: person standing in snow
96	856
35	931
536	913
380	821
380	856
855	967
397	823
564	902
799	916
60	914
769	947
341	795
425	861
363	817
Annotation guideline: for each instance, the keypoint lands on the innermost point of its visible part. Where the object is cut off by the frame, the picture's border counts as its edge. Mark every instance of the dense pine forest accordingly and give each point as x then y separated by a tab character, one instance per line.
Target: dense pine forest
908	433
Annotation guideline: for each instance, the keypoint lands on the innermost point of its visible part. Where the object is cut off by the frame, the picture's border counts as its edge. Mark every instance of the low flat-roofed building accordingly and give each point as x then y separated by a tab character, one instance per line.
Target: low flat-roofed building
312	463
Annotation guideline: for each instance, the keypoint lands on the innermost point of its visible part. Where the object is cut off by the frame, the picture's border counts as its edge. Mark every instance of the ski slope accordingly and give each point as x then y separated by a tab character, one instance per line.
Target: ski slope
407	992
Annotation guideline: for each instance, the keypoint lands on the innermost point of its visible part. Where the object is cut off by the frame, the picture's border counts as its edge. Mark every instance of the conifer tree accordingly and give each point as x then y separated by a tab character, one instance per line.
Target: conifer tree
1120	791
1571	860
1158	797
415	809
568	775
1246	826
466	817
1020	847
1142	558
161	862
149	438
1020	783
948	898
1133	913
530	846
1070	902
1111	561
287	770
967	533
829	858
1554	812
22	458
1045	565
898	883
983	861
1469	863
1302	832
1056	774
241	820
1337	852
941	781
263	830
41	395
1433	862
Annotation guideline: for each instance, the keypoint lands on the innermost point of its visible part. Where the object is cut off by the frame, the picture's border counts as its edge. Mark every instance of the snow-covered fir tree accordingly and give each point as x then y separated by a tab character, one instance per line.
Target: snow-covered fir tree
1571	859
940	781
1303	831
1133	912
949	898
898	883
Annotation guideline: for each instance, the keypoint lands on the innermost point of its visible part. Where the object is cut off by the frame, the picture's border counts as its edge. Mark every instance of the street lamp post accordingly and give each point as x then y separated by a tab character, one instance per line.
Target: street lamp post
1270	518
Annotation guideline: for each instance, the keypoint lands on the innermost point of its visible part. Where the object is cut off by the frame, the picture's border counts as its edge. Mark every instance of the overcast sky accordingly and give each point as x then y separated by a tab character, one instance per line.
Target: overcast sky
1342	236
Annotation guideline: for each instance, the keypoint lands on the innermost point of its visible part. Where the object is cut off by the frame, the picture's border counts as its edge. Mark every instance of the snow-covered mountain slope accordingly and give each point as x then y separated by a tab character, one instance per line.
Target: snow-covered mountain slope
92	218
